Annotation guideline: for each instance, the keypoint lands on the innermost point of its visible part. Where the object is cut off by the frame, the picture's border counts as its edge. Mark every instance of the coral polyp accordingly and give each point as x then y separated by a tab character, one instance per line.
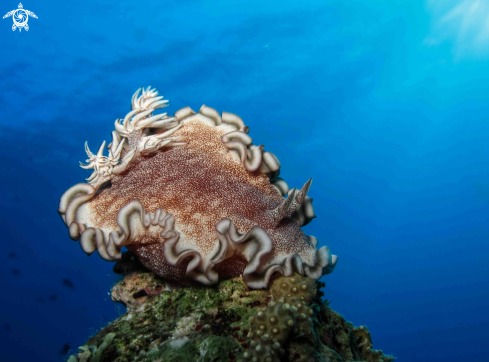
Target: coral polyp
194	199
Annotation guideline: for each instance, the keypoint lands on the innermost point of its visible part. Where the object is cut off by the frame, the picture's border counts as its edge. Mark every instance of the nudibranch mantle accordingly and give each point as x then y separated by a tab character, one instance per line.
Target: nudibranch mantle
193	198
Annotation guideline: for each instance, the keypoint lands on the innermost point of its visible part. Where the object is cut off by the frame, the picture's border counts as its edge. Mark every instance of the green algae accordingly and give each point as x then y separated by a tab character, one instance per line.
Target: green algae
92	353
209	349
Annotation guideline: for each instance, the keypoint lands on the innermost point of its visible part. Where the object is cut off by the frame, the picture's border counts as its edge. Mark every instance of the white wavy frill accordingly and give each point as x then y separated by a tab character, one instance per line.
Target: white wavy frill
135	224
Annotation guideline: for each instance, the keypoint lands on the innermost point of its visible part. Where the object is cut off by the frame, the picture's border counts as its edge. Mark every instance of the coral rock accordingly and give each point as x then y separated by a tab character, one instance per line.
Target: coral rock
364	344
202	324
136	288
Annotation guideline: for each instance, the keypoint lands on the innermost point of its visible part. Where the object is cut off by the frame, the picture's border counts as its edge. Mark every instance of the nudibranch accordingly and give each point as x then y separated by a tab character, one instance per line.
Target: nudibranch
194	199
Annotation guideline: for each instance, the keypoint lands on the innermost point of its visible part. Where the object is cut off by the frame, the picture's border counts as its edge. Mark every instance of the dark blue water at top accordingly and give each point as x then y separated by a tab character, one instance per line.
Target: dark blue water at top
384	103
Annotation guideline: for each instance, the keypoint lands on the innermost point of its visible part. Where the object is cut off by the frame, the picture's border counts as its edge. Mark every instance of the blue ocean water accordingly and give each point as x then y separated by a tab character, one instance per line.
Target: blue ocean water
385	104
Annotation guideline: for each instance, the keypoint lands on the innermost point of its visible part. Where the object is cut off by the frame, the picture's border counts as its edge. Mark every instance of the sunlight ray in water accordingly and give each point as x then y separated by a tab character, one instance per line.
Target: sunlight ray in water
463	22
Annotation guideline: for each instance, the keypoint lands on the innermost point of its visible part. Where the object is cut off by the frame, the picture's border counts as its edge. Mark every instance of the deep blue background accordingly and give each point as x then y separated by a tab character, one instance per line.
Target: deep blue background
384	103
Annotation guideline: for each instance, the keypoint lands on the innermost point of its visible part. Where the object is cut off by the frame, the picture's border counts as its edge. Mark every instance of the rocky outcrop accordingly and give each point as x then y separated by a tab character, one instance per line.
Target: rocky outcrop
230	322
